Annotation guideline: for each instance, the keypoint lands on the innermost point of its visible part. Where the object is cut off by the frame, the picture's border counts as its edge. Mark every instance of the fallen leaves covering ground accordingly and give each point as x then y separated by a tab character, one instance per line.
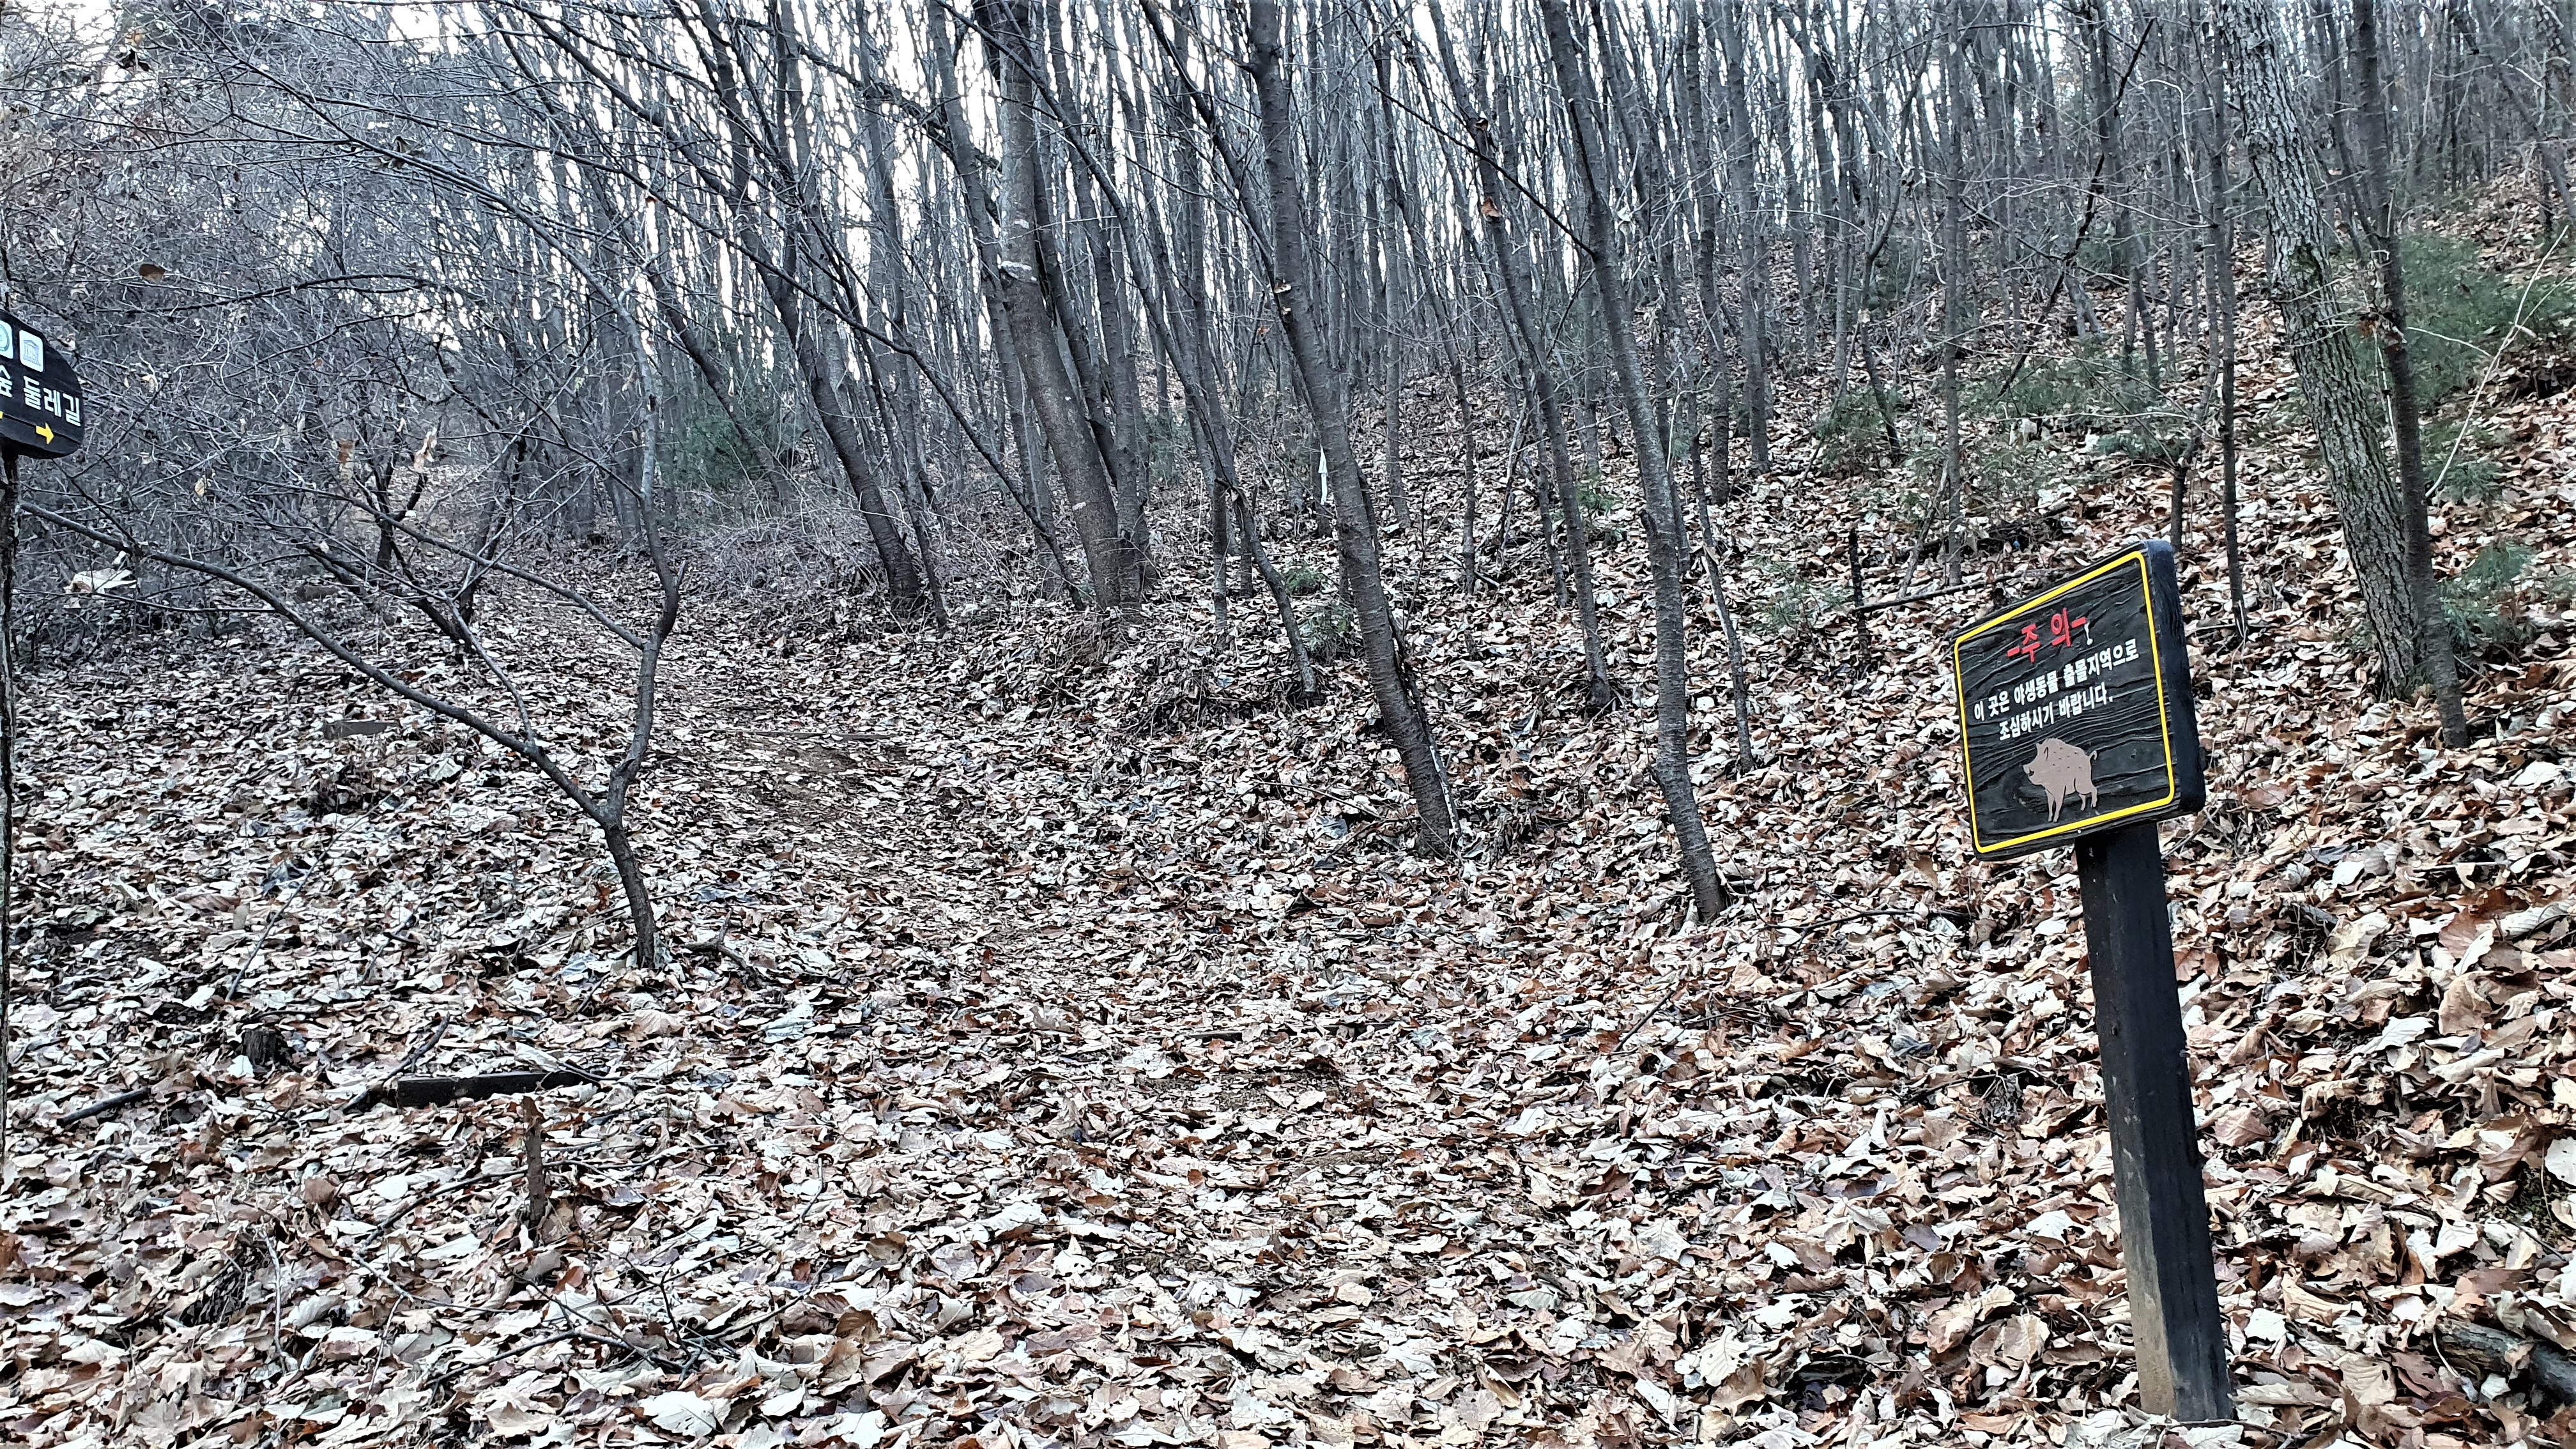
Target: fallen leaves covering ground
1058	1045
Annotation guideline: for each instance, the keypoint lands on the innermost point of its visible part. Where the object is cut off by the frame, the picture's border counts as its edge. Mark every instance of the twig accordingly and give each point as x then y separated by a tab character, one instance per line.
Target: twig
535	1153
435	1193
8	770
549	1341
1660	1003
1926	912
2495	360
1666	999
232	989
429	1043
1874	605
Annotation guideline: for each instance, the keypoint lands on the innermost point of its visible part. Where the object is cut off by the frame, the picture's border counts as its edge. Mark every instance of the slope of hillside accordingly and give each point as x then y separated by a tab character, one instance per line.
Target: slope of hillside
1060	1045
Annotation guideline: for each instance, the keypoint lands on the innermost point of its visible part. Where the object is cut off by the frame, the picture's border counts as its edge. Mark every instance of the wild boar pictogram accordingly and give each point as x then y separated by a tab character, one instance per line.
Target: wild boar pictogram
2063	771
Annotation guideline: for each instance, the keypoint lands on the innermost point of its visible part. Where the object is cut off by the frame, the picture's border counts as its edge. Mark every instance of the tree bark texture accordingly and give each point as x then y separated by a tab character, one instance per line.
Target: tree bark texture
2337	378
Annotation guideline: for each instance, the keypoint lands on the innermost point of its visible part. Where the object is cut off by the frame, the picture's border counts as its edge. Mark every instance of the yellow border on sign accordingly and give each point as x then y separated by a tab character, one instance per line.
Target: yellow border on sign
2164	717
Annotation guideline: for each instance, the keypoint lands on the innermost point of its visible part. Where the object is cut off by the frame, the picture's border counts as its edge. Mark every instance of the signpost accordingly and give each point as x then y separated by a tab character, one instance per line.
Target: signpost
2076	728
40	399
40	416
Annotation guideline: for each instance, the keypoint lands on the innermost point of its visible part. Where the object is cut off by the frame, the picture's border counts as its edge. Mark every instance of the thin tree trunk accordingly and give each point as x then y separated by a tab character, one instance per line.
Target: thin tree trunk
820	359
1741	689
2222	281
1753	257
1654	470
1293	293
1653	181
1188	342
1466	474
1512	281
2441	664
980	206
8	767
1053	394
1954	283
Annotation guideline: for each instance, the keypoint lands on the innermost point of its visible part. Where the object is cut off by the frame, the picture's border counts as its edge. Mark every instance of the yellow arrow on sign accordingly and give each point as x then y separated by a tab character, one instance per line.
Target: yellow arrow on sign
45	431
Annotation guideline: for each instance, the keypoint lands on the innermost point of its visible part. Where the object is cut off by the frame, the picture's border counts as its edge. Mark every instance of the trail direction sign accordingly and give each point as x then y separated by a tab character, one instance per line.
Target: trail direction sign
40	416
40	400
2075	706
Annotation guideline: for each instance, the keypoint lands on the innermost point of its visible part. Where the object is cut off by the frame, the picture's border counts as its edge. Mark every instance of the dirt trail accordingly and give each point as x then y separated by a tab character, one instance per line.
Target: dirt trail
863	800
1145	1028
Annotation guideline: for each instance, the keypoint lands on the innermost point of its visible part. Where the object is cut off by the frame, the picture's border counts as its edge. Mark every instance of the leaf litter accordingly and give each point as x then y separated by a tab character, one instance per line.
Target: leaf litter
1059	1046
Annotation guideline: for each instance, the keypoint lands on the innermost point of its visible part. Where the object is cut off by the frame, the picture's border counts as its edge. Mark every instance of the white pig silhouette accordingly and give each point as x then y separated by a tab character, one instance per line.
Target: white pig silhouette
2063	770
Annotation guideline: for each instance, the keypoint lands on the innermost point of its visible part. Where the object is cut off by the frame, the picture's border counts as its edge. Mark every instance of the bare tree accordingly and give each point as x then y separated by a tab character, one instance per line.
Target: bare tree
2380	513
1654	472
1296	293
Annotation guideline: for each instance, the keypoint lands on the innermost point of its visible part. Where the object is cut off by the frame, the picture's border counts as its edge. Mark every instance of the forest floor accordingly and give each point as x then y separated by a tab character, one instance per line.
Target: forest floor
1059	1045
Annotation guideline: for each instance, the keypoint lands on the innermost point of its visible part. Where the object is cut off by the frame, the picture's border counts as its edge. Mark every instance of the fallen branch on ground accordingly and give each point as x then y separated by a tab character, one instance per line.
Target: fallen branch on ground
104	1106
436	1091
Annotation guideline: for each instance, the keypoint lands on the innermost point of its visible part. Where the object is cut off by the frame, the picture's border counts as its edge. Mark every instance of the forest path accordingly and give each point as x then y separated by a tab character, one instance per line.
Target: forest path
859	793
1259	1127
889	795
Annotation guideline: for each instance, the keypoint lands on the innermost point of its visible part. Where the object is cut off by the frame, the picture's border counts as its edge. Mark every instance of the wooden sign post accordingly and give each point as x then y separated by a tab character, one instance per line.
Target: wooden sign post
2076	728
40	417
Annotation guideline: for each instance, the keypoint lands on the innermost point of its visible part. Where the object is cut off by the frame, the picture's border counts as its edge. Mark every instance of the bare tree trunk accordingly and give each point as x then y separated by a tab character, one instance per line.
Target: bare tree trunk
1753	257
2441	664
1220	553
1469	575
1120	345
1294	293
1652	180
1188	340
1954	283
1654	470
1397	284
2222	281
818	362
1740	690
1512	281
1053	394
1017	402
2335	376
8	767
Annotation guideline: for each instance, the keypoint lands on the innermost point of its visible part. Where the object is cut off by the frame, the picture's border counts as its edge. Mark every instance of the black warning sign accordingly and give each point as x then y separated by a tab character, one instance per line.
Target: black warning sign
2075	710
